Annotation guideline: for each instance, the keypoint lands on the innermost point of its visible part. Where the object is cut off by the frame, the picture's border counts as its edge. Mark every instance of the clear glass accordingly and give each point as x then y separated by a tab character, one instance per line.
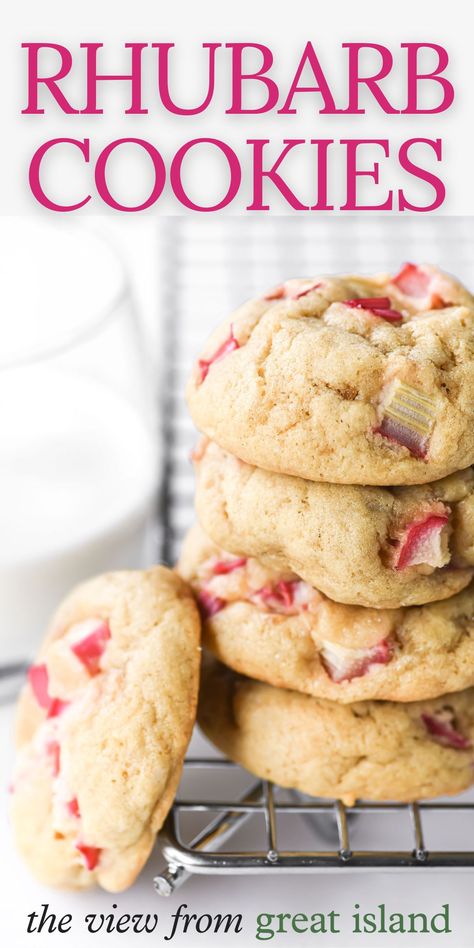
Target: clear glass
78	456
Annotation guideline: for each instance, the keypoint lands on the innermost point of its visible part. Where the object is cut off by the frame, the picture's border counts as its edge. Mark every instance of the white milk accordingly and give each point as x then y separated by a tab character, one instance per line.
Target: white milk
77	483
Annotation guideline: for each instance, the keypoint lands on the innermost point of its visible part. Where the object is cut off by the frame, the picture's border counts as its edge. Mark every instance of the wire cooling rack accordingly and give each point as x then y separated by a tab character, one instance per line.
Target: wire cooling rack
326	843
206	269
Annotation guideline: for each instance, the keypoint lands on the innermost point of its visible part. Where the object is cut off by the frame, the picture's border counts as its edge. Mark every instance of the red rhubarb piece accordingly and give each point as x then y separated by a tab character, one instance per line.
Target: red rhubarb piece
73	807
391	429
288	597
295	293
280	595
344	664
57	707
90	855
278	293
408	418
413	281
53	750
229	345
369	302
39	681
90	649
228	566
442	728
292	290
378	305
209	604
422	543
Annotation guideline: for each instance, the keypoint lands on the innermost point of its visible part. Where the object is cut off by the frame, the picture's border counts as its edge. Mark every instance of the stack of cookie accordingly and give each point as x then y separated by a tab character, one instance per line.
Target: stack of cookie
335	491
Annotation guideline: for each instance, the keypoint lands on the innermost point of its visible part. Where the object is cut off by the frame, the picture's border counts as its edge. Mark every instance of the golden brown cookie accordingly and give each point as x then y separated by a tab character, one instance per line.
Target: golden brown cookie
274	627
351	380
369	546
374	750
103	726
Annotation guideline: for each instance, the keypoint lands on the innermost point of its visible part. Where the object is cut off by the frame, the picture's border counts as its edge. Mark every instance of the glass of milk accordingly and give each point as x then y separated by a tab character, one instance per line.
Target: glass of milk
78	456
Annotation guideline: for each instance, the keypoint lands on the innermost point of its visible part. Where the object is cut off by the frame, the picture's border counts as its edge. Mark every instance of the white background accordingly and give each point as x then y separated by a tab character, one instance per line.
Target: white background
188	25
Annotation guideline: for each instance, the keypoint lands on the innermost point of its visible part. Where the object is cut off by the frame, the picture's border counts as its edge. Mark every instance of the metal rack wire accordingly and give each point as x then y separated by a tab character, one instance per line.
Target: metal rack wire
206	271
202	853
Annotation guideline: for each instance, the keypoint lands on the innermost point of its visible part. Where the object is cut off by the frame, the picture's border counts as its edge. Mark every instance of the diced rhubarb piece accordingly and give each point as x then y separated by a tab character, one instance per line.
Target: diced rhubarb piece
209	604
408	418
39	681
413	281
442	727
53	750
344	664
424	543
281	594
277	293
378	305
292	290
287	597
222	567
369	302
72	807
90	649
57	707
416	282
229	345
90	855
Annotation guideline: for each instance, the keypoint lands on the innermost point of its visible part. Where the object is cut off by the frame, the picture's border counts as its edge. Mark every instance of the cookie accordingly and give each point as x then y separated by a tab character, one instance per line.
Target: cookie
102	728
374	750
351	380
274	627
367	546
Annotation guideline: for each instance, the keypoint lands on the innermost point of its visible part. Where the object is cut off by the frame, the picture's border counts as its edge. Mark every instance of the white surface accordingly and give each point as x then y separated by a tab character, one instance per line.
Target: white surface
77	483
57	282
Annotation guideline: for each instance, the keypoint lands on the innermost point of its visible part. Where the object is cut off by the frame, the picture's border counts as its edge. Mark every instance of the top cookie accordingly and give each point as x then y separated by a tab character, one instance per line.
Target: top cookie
351	380
103	726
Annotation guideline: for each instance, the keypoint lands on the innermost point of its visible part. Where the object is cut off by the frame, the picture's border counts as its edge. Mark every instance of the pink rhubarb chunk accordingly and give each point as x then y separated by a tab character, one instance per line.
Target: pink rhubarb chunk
344	664
287	597
209	604
412	280
280	595
416	443
292	290
229	345
422	543
442	728
73	807
90	855
90	649
228	566
39	681
53	750
408	418
378	305
415	282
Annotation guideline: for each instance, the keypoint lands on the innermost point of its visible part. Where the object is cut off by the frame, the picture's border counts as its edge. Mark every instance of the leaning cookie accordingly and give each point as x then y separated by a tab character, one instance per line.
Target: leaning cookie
103	726
370	546
371	750
351	380
276	628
